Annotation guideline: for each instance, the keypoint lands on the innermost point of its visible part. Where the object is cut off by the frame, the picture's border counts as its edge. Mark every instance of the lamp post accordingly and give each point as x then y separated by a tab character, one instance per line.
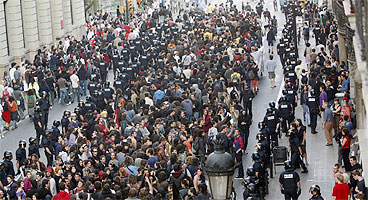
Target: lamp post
219	168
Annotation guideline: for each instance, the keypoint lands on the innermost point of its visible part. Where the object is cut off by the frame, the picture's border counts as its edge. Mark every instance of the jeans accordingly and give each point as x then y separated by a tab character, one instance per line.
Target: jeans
83	89
306	116
76	93
196	115
64	97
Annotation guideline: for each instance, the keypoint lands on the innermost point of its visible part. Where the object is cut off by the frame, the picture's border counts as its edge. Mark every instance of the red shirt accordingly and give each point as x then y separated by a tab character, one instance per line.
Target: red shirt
347	143
341	191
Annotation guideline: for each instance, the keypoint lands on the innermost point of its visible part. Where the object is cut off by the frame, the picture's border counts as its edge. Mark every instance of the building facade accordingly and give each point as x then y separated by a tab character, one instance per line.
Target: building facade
352	20
28	25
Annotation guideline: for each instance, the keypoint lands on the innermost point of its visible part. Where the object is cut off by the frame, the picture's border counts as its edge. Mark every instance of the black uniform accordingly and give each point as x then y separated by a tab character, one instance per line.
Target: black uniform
295	152
9	167
289	179
47	144
34	149
37	119
21	156
45	106
312	104
286	110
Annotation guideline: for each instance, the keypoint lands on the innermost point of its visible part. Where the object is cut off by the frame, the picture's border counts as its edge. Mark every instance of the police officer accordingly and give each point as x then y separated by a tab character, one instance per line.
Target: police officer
115	61
78	112
296	150
312	110
290	182
21	154
285	109
3	181
108	91
43	102
251	192
37	122
315	190
33	147
250	179
65	121
261	174
271	122
55	130
49	147
89	105
9	167
103	70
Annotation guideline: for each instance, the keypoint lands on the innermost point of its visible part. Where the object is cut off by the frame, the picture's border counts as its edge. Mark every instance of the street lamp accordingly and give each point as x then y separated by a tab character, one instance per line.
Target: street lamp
220	168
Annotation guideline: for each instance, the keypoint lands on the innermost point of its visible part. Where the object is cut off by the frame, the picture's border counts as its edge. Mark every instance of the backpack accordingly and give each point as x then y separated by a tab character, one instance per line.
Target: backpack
196	145
233	94
31	101
6	93
251	75
304	79
43	166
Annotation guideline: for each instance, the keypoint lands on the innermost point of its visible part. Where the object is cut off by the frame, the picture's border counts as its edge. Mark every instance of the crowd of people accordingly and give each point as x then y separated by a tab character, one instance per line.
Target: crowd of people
158	94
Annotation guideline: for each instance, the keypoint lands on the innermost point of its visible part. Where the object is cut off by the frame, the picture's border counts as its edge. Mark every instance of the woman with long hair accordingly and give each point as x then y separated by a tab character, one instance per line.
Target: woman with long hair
345	148
302	134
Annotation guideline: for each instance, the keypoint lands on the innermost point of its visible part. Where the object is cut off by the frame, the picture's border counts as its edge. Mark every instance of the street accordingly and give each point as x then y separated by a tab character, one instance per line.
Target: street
320	157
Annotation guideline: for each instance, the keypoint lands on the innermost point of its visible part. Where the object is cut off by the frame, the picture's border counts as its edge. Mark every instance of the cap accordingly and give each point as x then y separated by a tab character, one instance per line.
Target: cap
49	170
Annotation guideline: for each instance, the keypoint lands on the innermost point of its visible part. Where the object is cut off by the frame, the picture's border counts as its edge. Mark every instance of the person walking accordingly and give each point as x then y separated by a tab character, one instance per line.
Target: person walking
328	123
75	86
290	182
271	67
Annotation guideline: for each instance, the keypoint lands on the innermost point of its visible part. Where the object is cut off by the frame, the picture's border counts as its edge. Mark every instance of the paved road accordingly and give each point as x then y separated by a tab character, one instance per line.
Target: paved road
321	158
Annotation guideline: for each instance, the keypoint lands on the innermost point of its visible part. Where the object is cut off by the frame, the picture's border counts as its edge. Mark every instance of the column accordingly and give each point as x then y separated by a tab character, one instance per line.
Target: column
342	48
3	41
67	16
57	19
15	29
44	22
79	20
29	12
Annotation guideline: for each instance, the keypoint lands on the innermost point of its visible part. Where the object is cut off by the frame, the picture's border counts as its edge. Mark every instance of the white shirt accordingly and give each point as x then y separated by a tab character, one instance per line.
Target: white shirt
74	79
11	73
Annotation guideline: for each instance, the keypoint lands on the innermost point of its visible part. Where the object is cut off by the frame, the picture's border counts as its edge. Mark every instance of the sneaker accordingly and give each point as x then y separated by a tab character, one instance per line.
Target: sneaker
304	171
2	136
328	144
239	177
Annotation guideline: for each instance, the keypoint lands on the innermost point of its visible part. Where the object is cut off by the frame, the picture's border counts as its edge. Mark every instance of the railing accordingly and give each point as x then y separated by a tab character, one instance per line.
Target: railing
341	18
361	25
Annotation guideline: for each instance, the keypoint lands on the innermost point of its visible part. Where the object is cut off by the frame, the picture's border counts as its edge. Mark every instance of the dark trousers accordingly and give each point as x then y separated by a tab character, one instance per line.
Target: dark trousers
296	160
285	123
49	158
239	159
345	157
248	106
313	121
39	133
45	118
244	133
291	195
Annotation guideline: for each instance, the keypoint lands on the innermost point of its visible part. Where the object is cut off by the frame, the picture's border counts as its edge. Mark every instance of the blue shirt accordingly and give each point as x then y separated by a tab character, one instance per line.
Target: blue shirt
151	161
328	115
132	170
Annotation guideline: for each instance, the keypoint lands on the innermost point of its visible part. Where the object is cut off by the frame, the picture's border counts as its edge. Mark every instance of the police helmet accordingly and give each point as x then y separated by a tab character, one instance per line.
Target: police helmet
288	165
260	136
315	188
95	93
251	188
2	163
251	171
77	109
67	113
88	98
261	124
99	86
313	92
43	93
16	87
32	139
246	181
22	142
289	85
37	109
49	131
8	154
272	104
284	99
260	146
269	110
56	123
256	156
81	103
284	92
